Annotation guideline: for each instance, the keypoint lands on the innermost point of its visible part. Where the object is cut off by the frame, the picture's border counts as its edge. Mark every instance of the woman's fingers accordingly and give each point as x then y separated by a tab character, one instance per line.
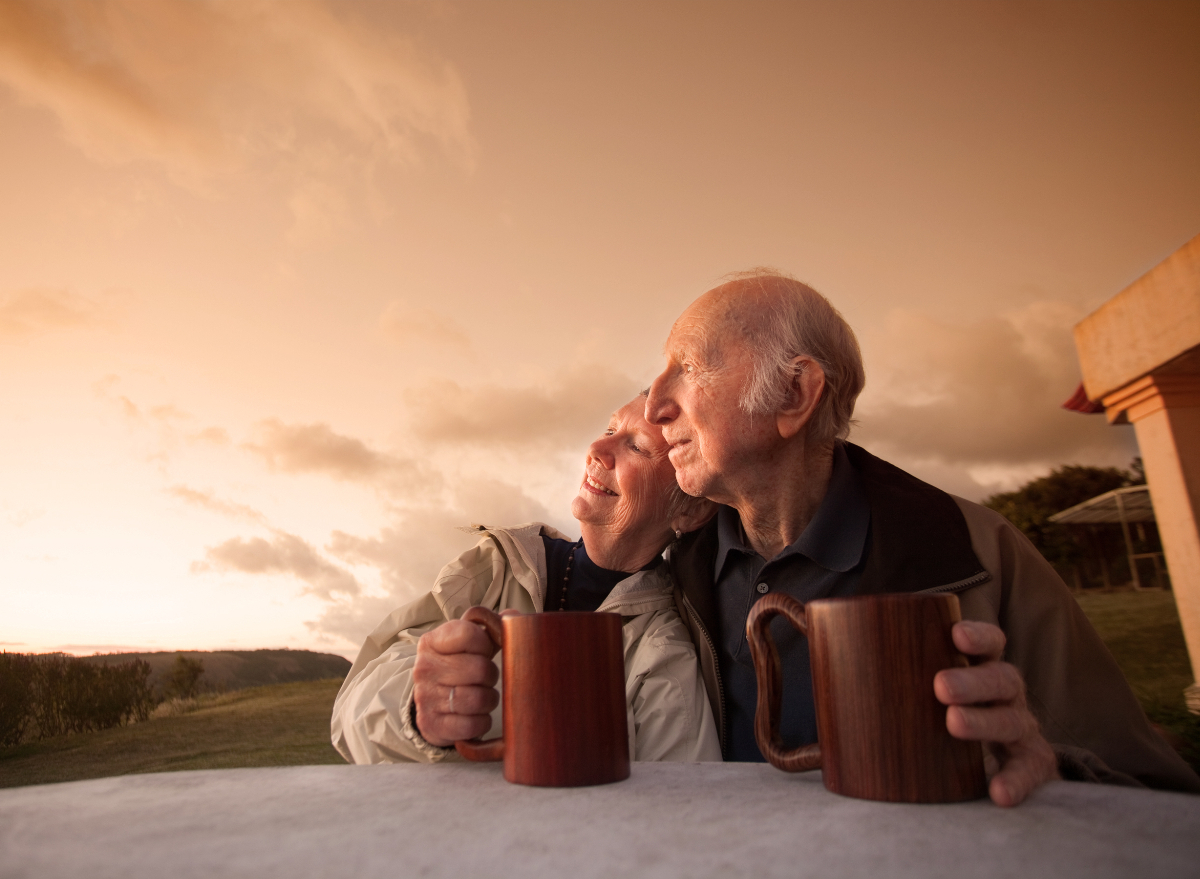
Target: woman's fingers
458	636
454	657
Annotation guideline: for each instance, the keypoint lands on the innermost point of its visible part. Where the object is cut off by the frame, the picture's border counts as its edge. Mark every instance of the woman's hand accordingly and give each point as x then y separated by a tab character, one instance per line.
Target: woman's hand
454	683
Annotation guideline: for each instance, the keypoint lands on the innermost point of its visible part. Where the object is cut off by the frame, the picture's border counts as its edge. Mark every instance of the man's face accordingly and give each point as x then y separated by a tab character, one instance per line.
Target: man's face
696	402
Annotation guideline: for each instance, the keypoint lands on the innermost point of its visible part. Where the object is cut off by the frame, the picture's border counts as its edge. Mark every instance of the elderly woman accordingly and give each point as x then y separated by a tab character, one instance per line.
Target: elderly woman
425	678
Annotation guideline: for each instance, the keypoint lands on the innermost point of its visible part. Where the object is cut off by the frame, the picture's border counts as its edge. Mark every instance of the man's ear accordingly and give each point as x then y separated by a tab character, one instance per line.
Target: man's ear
807	386
694	514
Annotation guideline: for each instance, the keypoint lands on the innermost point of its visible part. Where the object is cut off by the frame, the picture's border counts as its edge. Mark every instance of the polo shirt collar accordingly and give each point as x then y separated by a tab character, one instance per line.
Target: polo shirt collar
835	538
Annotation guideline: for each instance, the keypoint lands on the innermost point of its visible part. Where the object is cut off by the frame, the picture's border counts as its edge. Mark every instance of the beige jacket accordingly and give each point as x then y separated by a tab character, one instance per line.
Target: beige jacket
669	715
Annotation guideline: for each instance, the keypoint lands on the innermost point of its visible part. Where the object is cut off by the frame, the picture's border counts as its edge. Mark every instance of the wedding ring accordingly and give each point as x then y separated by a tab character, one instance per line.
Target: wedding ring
452	711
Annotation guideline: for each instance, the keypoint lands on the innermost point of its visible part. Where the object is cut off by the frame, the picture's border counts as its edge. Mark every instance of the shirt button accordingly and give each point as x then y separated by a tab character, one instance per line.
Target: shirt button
762	588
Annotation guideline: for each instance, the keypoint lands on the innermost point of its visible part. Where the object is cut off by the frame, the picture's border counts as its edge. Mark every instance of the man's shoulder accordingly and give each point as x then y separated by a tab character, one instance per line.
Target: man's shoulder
920	537
880	475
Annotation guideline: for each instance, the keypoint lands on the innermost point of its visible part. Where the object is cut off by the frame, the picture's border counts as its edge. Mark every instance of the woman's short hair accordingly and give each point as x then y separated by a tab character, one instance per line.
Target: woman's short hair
791	319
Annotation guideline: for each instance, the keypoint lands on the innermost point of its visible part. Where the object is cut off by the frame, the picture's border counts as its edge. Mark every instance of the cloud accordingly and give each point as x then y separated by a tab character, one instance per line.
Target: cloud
316	448
985	397
208	501
283	554
409	553
39	310
205	88
405	324
216	436
568	410
23	517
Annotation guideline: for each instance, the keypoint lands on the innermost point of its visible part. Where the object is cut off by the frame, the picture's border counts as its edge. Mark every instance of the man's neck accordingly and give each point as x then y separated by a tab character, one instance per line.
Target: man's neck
783	496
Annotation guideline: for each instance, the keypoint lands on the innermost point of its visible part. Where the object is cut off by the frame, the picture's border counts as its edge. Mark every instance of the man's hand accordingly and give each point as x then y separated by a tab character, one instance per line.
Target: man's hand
987	704
454	660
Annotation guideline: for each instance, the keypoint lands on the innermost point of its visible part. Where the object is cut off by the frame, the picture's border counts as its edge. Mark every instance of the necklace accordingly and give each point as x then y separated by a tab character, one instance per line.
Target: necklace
562	604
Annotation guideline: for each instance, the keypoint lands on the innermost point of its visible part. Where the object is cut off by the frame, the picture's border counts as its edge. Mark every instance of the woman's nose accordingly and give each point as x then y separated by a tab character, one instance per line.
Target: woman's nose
601	452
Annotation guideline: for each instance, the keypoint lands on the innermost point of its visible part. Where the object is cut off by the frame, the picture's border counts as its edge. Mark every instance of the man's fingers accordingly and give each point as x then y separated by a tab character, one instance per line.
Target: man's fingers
978	639
1003	724
458	636
990	682
1028	767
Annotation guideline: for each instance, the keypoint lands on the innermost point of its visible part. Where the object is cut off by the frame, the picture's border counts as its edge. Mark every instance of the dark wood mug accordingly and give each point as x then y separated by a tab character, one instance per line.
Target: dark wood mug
564	698
881	732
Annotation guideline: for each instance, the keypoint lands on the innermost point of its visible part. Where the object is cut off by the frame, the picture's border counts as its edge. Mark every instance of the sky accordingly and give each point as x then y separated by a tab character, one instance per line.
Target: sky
289	292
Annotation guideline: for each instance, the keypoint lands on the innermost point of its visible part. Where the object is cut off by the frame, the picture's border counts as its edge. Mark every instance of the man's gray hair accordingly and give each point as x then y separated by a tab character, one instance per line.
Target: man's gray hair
792	319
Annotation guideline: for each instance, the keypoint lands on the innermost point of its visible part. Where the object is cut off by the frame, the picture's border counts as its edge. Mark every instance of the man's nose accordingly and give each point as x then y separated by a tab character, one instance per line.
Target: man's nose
660	406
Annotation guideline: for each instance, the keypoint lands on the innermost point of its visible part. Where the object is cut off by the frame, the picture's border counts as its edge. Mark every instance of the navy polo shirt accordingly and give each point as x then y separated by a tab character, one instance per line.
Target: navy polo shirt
826	560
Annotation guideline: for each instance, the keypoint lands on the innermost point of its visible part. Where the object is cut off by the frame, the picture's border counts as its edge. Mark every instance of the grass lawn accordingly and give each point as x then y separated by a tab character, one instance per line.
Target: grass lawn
1142	631
278	725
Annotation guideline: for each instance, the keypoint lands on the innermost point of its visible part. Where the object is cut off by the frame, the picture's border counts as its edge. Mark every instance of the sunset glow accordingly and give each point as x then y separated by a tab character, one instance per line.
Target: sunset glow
288	291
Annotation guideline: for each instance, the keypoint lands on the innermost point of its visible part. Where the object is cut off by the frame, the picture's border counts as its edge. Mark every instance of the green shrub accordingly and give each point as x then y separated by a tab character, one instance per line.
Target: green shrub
16	697
184	680
54	694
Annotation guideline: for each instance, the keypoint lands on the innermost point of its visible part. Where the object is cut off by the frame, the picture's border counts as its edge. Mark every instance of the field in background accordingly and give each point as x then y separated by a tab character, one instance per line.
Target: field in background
1142	631
288	724
226	670
279	725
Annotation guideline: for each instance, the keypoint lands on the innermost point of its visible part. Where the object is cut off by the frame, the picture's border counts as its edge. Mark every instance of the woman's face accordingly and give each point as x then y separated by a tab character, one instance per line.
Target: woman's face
628	479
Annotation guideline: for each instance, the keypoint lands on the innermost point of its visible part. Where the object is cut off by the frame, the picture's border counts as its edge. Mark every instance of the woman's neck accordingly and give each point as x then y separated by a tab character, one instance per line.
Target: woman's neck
621	552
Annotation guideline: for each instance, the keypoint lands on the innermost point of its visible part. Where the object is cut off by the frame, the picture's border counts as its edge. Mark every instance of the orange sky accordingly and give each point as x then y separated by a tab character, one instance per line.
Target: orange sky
287	291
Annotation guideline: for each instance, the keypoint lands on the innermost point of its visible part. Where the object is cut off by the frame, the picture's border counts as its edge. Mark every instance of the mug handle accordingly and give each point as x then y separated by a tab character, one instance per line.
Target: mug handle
769	676
477	749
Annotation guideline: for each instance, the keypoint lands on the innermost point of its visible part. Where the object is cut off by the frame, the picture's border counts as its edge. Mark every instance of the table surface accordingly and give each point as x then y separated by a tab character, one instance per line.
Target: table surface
692	820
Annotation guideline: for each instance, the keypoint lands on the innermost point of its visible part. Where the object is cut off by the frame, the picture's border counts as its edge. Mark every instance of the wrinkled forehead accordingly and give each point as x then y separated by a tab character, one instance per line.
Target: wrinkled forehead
714	327
632	416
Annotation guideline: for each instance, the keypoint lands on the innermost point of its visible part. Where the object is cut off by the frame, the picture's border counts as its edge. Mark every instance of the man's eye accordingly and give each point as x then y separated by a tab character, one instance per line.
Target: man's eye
609	432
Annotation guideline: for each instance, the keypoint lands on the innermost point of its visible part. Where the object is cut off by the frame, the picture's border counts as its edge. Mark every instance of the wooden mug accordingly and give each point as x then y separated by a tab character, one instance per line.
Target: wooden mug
564	698
881	732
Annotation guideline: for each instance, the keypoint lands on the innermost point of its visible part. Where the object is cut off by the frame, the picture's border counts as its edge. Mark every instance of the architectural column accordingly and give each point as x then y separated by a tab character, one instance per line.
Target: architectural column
1165	411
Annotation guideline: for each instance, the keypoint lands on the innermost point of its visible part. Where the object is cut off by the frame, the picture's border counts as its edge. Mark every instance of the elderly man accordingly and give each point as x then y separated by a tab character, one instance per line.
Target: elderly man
755	401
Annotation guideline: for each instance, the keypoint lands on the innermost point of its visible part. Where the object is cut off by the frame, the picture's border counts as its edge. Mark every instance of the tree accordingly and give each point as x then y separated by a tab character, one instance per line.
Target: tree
16	697
1071	547
184	680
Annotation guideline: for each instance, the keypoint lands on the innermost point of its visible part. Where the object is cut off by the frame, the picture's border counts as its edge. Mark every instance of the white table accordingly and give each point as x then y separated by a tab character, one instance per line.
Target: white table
464	820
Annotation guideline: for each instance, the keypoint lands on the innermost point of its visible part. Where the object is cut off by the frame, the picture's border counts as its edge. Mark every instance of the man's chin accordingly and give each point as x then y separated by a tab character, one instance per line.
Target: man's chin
690	481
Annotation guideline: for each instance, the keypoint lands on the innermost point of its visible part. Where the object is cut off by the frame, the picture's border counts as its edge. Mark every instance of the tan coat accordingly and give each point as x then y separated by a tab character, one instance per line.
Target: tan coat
669	715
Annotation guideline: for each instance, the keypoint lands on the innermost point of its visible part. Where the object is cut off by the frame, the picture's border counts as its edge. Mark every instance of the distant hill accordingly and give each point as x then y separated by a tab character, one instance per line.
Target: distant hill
238	669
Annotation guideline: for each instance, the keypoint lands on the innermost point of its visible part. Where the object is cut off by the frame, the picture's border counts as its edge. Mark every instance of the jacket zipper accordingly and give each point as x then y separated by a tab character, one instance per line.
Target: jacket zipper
975	580
712	649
